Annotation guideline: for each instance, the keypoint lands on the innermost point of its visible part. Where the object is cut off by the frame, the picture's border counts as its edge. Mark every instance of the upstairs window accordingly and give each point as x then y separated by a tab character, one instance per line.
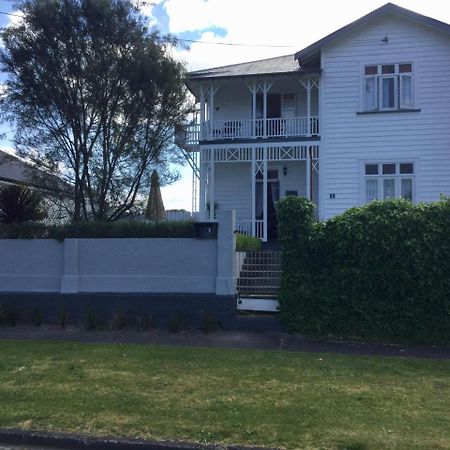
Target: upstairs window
388	87
384	181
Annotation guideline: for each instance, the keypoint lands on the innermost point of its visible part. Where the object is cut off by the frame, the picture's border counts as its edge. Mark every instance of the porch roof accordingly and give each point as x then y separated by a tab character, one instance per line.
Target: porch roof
272	66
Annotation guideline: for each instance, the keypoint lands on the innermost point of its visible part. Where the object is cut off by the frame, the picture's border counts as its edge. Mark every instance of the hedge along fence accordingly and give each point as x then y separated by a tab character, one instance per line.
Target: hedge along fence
379	271
122	229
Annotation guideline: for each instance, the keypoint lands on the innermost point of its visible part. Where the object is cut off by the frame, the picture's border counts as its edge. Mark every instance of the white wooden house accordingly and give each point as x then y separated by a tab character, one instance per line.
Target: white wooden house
362	114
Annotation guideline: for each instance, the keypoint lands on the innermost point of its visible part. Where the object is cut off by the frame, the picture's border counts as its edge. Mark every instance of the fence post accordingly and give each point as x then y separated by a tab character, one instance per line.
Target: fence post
70	281
226	244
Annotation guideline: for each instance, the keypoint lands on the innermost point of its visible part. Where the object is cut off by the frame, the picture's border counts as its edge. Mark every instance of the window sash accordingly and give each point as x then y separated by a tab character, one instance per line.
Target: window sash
388	92
406	91
370	93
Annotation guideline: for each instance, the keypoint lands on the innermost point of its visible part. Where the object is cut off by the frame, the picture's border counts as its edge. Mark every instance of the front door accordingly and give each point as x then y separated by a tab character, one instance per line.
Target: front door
273	195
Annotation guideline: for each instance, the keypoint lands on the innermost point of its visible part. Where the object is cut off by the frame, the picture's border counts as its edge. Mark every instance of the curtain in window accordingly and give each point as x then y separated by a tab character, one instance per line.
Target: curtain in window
388	92
371	190
388	188
406	100
406	188
371	94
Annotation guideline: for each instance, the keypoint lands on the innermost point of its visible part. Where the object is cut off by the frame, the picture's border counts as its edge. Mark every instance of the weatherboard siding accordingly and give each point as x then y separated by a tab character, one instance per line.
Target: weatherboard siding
349	139
233	188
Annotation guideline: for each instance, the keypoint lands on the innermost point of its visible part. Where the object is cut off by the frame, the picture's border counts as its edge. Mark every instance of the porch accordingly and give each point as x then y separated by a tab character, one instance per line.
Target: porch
251	178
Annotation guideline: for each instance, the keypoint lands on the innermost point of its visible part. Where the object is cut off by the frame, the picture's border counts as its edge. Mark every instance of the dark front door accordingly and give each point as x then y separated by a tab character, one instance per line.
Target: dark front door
273	195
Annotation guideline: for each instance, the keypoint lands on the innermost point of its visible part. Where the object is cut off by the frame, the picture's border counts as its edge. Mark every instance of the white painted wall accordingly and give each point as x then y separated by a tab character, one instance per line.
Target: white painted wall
34	265
233	99
348	139
233	188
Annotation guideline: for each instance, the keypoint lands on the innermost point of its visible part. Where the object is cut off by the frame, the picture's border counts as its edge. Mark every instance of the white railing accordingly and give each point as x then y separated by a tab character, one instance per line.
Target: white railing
261	128
248	129
245	227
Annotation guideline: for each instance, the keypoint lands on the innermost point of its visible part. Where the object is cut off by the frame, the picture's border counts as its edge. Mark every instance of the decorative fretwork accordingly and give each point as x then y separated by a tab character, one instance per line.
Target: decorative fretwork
269	153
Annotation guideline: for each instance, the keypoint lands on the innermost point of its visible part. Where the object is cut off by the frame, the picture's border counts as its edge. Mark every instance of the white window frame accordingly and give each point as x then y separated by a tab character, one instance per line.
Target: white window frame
378	85
380	177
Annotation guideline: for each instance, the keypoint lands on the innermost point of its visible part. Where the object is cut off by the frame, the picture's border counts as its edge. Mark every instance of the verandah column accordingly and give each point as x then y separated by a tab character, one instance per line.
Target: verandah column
202	112
253	192
265	211
211	186
203	173
308	172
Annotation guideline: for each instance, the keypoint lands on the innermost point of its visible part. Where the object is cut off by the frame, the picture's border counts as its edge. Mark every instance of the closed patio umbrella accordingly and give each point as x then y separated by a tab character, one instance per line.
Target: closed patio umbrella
155	206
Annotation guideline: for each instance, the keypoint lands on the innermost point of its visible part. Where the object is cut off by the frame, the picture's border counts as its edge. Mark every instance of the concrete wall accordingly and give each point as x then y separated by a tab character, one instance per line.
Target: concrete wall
204	266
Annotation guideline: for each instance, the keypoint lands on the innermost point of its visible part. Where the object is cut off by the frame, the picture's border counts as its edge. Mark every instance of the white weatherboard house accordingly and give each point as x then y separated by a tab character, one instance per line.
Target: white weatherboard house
362	114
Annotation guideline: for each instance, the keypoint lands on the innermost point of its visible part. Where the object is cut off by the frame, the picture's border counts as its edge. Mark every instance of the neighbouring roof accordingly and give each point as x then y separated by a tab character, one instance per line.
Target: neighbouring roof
307	60
14	170
389	8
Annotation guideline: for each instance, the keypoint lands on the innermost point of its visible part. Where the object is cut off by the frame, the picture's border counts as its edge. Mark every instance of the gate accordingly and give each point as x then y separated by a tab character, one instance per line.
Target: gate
258	280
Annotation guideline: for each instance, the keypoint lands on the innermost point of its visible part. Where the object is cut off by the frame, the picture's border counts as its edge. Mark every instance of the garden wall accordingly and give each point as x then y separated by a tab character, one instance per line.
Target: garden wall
170	280
141	265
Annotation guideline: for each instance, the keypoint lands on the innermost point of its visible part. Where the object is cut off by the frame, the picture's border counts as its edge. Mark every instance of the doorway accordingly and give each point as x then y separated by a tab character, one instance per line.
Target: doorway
273	195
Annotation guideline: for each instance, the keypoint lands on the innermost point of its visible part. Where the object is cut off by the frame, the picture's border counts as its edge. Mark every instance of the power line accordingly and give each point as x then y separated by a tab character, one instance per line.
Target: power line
10	14
194	41
235	44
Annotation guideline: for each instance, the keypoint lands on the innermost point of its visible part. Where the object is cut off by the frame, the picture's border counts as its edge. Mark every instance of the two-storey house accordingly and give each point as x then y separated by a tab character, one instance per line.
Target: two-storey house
362	114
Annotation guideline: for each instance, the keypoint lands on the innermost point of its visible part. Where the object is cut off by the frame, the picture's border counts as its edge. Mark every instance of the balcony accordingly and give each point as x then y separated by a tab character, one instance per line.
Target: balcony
220	130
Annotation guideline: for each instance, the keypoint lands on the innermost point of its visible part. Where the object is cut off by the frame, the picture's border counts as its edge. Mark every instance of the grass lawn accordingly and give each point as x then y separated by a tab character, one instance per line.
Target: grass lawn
278	399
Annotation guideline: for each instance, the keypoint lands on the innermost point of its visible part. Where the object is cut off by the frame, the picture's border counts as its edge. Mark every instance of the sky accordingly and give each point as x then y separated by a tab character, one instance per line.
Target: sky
262	28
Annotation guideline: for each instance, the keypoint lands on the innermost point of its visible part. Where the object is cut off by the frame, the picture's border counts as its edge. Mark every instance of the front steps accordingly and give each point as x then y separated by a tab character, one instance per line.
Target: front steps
259	280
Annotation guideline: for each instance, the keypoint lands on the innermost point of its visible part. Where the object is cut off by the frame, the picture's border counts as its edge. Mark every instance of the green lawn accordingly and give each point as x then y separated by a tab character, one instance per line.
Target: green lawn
278	399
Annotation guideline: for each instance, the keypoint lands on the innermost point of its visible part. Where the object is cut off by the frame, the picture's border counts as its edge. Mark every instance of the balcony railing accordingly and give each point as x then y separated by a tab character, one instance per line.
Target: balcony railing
252	129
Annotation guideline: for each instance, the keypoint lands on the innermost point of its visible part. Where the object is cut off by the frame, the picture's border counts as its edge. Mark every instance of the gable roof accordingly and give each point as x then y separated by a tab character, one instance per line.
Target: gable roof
308	58
388	8
279	64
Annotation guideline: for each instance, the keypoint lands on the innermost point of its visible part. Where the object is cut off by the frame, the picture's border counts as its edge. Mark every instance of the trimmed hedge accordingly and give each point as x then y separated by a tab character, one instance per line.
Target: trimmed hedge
32	230
380	271
245	243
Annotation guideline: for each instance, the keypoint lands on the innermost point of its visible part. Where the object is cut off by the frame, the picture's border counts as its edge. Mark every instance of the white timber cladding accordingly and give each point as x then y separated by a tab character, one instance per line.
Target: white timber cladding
421	135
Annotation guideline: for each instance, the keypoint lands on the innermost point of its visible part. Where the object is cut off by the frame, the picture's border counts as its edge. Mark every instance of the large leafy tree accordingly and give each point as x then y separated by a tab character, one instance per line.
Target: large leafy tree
94	95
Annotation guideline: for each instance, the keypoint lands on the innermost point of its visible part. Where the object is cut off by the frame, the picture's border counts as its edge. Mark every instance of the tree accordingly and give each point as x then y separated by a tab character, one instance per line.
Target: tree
20	204
94	95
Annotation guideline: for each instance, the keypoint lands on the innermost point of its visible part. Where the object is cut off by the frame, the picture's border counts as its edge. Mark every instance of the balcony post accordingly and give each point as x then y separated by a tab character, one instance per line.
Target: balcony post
265	89
308	107
202	112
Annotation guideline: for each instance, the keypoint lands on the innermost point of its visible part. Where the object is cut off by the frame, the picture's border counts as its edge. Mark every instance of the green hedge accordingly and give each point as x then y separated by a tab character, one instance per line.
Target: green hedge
245	243
124	229
379	271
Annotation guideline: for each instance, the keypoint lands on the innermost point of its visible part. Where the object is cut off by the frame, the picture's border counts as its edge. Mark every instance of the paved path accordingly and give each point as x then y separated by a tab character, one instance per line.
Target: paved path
226	339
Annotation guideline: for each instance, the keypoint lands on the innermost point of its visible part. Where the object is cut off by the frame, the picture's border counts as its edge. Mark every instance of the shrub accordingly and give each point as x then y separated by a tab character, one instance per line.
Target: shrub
125	229
63	317
377	271
119	321
145	321
209	322
19	204
177	322
245	243
36	317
